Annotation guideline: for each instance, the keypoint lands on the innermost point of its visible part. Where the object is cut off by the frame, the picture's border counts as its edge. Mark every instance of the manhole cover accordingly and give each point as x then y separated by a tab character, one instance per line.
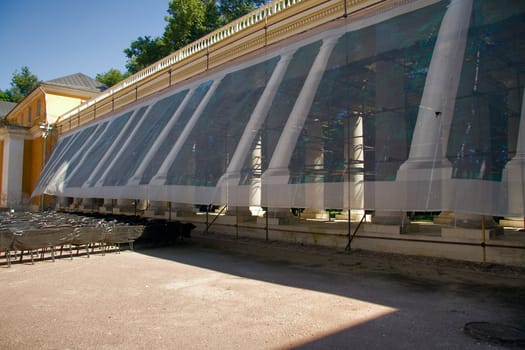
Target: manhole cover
496	333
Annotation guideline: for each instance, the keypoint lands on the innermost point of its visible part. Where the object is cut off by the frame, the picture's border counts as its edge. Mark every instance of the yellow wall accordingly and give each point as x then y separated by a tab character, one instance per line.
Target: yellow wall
33	164
58	105
44	104
29	169
34	108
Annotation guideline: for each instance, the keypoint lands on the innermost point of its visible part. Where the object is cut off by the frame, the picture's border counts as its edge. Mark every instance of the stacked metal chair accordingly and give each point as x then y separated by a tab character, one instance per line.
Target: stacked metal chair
6	243
118	233
20	232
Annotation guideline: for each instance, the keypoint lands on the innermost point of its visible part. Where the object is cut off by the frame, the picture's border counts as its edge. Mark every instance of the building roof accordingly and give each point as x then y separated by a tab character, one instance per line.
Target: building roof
6	107
79	81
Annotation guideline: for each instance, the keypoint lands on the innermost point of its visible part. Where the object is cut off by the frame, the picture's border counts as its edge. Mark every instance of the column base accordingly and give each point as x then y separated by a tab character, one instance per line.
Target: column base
156	209
474	221
125	206
385	229
395	222
279	217
512	222
315	214
390	218
182	210
444	218
470	234
355	215
105	210
242	214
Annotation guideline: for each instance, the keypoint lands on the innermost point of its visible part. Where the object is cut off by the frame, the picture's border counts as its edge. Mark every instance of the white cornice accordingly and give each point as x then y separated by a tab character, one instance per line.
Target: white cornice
16	132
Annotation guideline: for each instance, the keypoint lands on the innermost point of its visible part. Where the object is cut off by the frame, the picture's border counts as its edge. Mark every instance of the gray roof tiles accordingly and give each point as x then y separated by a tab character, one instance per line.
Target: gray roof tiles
80	81
5	108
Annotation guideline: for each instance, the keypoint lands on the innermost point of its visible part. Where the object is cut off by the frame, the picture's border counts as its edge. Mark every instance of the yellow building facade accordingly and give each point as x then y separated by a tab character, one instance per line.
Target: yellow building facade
27	136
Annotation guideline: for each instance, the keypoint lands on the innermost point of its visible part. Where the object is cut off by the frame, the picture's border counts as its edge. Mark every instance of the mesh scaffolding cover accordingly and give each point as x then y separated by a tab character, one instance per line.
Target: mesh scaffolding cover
416	108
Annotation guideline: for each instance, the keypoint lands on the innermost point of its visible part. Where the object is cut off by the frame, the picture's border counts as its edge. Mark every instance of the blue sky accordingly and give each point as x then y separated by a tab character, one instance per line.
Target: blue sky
55	38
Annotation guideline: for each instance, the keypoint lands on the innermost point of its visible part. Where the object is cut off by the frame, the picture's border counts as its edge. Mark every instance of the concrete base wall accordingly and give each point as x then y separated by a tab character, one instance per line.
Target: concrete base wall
455	244
494	245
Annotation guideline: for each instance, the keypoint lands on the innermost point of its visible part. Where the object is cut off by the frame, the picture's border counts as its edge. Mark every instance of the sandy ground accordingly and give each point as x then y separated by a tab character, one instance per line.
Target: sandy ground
221	293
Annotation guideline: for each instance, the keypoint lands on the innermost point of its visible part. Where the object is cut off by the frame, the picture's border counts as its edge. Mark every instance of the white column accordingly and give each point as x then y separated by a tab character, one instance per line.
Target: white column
135	179
390	100
88	204
314	191
76	203
430	139
160	177
277	172
107	206
12	172
255	190
230	180
256	119
63	202
514	172
354	181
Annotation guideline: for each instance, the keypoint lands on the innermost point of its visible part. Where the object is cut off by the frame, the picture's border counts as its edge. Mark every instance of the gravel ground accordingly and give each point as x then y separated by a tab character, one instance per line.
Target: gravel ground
217	292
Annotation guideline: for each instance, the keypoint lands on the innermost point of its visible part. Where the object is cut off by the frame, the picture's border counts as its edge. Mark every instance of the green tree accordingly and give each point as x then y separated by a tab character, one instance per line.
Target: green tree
143	52
111	77
4	96
22	83
212	16
233	9
187	21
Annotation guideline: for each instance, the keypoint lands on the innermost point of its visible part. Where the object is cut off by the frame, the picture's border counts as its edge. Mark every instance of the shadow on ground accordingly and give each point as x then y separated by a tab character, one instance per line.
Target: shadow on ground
433	298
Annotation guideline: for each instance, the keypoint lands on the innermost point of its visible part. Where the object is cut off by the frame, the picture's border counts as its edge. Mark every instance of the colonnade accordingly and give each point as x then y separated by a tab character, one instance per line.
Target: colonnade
426	162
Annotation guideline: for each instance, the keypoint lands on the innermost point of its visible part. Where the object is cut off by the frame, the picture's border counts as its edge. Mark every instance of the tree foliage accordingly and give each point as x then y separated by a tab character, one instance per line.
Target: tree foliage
143	52
22	83
187	21
233	9
111	77
4	96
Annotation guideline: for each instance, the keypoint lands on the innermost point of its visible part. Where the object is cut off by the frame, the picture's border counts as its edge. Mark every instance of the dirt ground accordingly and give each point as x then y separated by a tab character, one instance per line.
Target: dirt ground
217	292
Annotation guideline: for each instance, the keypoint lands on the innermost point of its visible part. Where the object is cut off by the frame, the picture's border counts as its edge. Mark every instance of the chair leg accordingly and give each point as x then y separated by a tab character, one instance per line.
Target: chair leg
7	257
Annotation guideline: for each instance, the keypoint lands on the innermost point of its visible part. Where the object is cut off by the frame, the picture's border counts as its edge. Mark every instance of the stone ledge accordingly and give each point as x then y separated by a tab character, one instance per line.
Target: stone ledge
271	221
391	229
518	223
470	234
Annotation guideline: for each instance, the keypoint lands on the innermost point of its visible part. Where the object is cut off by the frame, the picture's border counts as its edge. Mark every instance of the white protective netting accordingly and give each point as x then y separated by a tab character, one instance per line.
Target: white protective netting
416	108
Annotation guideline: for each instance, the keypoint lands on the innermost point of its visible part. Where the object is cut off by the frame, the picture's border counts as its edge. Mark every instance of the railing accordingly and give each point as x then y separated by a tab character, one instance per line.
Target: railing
268	24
